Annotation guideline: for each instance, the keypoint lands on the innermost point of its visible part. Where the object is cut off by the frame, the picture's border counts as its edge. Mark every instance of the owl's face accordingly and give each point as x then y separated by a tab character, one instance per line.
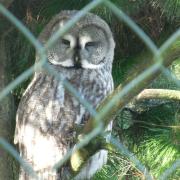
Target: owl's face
89	44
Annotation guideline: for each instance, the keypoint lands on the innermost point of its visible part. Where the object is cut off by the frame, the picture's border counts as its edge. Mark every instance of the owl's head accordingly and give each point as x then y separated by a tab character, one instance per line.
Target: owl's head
88	44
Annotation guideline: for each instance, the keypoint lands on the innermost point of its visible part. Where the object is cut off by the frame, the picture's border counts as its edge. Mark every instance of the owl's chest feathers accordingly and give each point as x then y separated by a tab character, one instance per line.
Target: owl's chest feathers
56	109
93	86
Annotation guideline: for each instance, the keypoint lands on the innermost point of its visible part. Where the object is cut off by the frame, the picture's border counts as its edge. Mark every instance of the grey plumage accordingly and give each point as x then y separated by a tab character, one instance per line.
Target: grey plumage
47	112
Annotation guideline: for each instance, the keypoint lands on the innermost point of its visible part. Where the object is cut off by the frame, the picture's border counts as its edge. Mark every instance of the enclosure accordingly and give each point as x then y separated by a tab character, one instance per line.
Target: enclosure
145	142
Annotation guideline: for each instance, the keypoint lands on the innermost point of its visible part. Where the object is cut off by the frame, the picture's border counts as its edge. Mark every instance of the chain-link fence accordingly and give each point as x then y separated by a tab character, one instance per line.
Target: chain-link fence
119	98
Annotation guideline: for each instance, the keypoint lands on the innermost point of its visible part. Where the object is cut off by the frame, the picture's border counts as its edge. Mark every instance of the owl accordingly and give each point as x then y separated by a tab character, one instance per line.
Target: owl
48	114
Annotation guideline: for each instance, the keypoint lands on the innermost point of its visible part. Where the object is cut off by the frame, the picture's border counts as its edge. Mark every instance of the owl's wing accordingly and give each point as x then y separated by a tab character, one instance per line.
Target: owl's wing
38	123
42	107
22	109
32	109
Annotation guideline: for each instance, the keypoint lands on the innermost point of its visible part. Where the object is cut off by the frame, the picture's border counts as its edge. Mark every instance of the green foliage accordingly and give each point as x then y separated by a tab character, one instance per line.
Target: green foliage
160	147
154	138
50	8
131	7
164	82
159	154
170	8
118	167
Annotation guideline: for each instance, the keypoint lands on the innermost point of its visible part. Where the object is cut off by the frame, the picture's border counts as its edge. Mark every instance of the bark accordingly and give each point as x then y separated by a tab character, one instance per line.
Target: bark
6	117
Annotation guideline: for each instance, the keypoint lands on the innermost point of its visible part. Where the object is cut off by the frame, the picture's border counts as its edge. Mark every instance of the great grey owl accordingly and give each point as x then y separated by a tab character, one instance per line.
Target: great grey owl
48	113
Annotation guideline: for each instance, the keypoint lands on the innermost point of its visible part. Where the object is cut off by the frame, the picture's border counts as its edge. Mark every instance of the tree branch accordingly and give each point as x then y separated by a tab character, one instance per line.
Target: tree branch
166	94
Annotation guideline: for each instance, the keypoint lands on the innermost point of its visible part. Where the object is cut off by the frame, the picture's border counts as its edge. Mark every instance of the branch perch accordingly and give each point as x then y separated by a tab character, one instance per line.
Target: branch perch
165	94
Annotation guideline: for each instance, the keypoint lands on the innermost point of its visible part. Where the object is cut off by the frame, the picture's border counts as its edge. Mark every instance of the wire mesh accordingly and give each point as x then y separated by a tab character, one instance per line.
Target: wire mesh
111	104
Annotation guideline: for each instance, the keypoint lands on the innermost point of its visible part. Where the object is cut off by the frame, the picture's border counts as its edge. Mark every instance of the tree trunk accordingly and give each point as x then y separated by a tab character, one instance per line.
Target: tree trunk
8	166
6	116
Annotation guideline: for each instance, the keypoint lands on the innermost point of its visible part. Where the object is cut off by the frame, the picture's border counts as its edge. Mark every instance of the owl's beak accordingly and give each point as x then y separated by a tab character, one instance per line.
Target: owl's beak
77	62
77	59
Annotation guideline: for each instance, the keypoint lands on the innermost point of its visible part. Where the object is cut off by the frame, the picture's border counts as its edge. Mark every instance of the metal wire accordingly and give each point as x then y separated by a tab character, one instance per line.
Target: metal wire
158	61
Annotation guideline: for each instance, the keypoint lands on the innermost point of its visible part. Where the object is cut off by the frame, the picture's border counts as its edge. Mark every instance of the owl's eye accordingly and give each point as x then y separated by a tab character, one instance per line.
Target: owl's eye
66	42
90	44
